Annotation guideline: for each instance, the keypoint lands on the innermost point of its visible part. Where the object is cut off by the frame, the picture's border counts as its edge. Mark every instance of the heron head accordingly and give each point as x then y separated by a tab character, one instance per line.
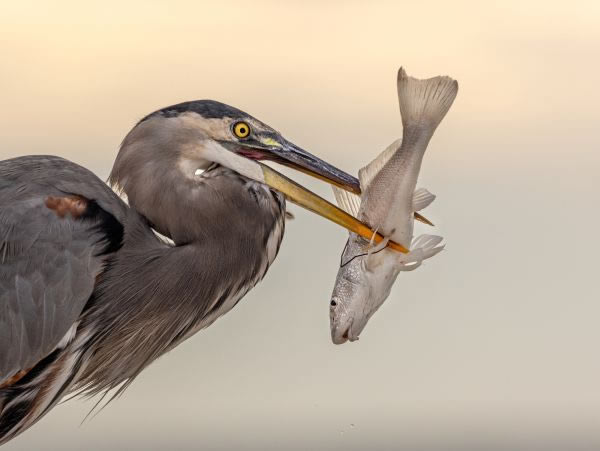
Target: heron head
206	130
192	136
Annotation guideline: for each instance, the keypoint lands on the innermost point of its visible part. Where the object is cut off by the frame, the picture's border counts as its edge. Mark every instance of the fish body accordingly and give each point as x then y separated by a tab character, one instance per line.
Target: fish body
388	204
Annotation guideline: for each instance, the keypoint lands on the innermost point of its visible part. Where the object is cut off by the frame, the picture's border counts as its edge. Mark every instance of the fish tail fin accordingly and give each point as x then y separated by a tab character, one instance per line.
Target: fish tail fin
424	103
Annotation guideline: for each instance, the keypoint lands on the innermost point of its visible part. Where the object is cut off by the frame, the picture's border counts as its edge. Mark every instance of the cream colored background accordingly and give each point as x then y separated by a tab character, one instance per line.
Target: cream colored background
491	345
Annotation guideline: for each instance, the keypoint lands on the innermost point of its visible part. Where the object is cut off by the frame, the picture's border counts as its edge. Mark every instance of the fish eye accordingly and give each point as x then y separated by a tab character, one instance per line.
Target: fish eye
241	129
333	303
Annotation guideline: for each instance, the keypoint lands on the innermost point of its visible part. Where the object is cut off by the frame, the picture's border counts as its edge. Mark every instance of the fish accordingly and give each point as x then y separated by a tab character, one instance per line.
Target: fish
388	204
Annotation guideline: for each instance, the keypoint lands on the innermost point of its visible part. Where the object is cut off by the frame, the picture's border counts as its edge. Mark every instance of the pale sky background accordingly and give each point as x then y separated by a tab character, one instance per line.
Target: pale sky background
491	345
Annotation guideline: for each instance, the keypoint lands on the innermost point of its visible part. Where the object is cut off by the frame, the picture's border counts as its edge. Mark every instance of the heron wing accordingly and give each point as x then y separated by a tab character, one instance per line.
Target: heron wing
50	256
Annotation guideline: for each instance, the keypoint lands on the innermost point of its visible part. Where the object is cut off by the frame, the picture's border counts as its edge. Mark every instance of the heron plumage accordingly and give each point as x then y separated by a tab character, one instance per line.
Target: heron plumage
126	319
90	294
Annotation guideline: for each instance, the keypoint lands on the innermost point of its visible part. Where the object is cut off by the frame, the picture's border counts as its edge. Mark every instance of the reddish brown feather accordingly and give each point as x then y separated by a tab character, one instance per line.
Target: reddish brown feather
75	205
13	379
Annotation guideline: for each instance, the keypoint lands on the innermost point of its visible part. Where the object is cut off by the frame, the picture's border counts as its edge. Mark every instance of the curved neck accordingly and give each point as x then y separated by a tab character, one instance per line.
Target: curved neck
152	296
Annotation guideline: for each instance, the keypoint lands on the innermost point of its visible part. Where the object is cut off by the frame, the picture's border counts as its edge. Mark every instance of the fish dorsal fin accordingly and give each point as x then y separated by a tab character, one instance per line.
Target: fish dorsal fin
349	202
421	199
368	173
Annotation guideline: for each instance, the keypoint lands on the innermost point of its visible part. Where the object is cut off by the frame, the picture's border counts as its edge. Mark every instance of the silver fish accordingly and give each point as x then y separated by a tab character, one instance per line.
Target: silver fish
388	204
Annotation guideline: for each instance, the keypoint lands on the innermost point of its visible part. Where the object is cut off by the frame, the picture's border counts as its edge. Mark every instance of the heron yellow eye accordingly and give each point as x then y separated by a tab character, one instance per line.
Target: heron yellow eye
241	130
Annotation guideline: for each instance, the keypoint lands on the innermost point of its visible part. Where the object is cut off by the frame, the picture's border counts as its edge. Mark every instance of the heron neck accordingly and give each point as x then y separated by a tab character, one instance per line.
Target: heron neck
153	295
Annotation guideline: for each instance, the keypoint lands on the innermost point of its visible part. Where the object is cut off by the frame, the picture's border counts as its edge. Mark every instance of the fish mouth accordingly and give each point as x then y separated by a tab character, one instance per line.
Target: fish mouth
347	335
340	339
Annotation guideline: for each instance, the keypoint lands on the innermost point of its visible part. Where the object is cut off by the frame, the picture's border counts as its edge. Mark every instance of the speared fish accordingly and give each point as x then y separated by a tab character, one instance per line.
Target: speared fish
388	205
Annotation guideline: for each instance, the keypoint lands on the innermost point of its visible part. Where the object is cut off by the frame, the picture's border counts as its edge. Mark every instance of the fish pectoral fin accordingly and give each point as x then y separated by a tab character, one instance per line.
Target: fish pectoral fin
423	247
410	266
422	199
426	242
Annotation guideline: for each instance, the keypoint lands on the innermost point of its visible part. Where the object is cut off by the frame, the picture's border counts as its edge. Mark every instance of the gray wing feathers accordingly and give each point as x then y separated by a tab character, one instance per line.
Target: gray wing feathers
48	264
47	172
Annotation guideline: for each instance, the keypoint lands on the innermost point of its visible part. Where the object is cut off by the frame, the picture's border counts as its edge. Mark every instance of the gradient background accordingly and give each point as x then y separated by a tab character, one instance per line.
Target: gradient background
491	345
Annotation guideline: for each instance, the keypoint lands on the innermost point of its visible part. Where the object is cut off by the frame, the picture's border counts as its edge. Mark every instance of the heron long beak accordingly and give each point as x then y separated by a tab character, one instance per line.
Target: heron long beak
288	154
309	200
276	148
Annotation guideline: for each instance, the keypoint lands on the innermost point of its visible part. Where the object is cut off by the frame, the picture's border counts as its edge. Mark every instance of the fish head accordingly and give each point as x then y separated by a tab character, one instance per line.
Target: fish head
347	298
363	283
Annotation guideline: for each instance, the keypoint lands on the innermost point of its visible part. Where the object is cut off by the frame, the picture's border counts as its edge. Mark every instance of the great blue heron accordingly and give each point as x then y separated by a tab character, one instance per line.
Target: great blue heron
90	295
